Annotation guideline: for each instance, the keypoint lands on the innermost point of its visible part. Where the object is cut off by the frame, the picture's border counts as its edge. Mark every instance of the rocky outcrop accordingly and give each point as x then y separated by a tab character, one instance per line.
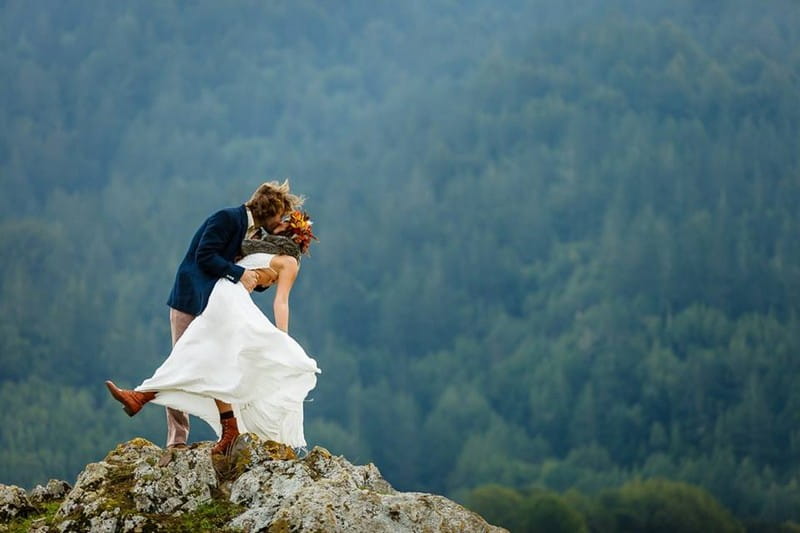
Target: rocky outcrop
16	506
53	491
14	503
262	486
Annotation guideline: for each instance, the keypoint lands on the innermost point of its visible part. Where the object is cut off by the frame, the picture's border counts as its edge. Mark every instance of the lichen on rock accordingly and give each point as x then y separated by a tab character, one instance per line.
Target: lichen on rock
54	490
322	492
14	503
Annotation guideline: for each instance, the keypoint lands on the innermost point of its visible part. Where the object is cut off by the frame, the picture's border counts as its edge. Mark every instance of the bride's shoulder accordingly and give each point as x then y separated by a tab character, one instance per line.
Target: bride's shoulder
284	261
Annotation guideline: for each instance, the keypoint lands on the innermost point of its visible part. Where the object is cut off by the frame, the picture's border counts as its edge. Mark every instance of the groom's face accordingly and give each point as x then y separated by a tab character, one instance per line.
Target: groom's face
273	223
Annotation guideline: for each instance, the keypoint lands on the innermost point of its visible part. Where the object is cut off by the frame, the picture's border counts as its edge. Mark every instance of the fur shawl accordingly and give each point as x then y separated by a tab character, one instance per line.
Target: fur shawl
271	244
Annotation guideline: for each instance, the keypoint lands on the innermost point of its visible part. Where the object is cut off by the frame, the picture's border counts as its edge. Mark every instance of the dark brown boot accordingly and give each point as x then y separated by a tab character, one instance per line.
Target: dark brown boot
132	401
229	433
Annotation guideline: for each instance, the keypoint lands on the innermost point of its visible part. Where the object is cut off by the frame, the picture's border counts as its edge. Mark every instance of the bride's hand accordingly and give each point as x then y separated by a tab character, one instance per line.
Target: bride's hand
249	279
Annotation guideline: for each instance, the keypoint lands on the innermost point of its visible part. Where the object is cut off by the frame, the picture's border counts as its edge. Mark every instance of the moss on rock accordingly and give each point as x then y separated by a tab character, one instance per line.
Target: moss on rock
41	518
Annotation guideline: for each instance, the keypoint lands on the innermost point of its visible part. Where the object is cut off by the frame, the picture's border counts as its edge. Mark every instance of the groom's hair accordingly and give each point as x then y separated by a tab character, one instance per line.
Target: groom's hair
272	198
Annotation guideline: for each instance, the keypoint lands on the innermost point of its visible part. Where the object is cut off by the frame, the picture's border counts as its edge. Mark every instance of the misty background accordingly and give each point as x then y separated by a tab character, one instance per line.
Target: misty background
559	241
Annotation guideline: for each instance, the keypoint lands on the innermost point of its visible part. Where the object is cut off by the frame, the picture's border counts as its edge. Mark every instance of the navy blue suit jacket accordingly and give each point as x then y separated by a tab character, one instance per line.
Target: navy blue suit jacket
210	256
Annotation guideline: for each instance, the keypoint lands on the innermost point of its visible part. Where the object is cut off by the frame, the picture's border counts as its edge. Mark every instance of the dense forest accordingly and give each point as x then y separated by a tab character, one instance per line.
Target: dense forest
559	257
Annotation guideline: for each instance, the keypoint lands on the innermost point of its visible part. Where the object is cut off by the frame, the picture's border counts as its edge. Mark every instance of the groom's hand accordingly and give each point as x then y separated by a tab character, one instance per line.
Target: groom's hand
249	279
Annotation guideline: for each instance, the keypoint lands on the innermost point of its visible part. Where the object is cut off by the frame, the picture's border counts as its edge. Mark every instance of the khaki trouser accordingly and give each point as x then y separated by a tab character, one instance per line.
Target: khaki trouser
177	421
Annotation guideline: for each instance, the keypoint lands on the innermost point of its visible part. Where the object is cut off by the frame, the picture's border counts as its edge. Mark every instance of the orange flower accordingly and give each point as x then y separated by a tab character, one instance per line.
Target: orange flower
300	229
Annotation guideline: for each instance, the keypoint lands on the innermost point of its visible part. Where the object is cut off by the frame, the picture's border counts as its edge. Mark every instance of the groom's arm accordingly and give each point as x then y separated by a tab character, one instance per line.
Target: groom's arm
219	232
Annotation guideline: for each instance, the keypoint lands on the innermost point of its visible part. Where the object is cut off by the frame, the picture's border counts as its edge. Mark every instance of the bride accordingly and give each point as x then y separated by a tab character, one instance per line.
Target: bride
233	367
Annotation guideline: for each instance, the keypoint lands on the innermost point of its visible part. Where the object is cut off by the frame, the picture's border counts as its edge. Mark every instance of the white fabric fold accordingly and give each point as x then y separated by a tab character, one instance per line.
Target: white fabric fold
234	353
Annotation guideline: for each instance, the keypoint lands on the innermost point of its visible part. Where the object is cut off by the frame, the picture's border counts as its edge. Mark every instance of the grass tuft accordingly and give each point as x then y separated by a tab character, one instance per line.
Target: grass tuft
23	525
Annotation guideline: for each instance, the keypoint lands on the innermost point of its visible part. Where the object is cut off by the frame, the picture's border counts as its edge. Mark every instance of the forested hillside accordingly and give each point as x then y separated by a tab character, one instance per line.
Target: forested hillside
560	245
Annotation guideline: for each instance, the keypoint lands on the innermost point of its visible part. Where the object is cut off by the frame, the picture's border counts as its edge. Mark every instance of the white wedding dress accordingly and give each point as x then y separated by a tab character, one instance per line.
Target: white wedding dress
234	353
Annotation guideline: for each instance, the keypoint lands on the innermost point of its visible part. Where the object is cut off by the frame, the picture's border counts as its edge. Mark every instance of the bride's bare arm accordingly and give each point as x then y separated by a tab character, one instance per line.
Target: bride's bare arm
287	268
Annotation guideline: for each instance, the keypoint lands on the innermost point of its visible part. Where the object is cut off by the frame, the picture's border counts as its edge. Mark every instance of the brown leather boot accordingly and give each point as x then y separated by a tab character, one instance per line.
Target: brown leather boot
132	401
230	430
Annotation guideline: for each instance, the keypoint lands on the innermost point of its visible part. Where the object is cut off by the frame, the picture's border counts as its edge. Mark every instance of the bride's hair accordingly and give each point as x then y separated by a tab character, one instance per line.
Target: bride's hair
272	198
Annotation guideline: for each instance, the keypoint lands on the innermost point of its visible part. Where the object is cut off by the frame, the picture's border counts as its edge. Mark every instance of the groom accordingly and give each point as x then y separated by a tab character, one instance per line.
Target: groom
210	257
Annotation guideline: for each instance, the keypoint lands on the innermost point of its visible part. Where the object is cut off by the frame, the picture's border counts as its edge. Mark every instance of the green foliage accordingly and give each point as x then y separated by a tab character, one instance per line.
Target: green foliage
666	506
535	511
52	430
558	246
651	505
497	504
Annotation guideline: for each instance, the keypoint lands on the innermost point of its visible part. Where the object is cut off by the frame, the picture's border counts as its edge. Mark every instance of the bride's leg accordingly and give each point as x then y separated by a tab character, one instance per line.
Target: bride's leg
132	401
230	430
223	407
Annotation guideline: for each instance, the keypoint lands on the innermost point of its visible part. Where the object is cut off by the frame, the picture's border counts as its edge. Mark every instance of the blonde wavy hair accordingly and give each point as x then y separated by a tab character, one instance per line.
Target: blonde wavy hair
272	198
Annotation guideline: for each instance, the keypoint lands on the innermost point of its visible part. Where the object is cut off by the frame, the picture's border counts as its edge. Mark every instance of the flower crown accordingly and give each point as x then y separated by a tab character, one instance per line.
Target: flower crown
300	230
